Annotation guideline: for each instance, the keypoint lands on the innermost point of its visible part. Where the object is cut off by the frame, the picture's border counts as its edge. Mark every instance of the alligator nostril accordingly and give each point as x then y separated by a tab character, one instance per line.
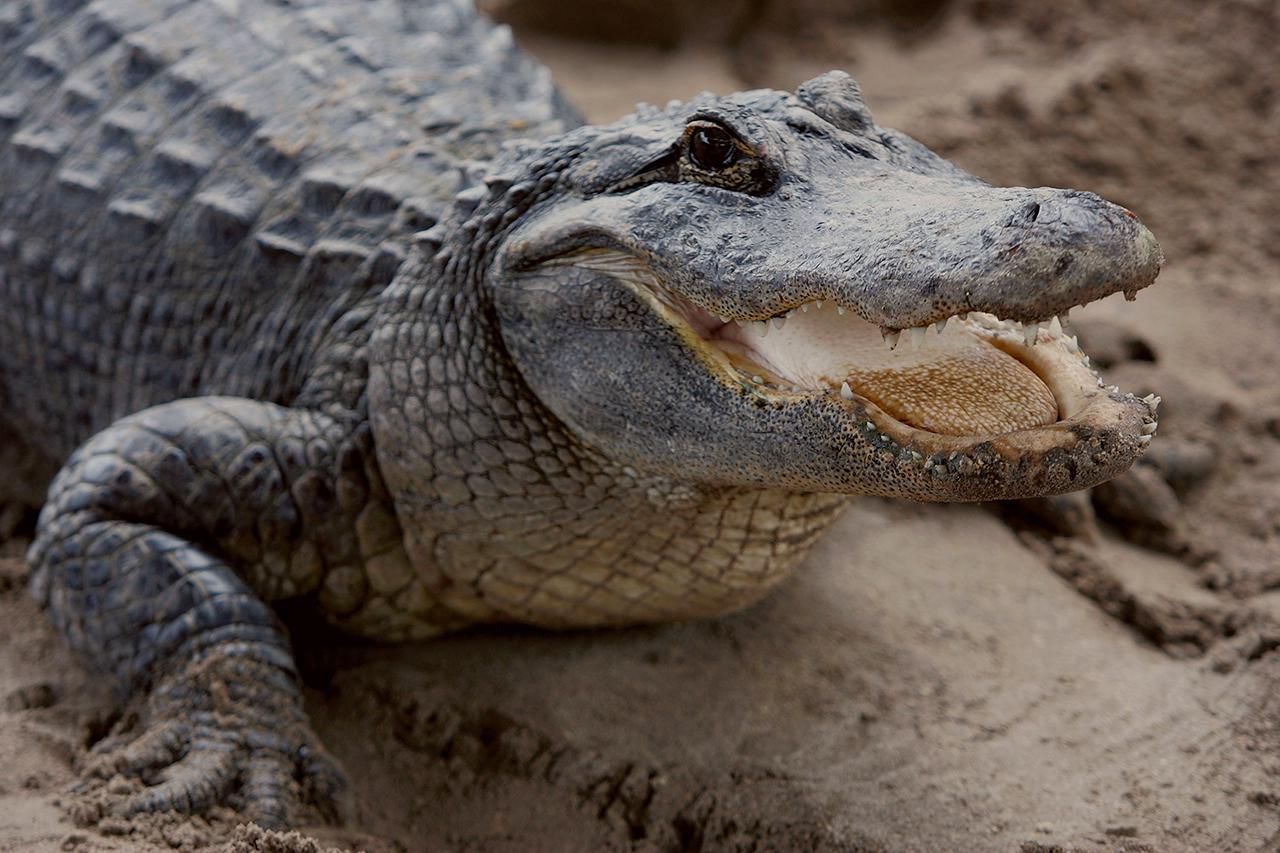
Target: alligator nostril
1033	211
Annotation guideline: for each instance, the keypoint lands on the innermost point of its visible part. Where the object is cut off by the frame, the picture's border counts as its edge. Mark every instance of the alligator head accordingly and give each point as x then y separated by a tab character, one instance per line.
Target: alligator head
769	290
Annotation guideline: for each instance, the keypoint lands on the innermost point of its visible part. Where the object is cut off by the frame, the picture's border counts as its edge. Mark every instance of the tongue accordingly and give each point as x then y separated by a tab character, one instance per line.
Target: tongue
955	383
970	390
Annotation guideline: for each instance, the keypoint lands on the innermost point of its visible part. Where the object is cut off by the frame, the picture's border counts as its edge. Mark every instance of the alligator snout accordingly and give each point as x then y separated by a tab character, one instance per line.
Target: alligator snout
1057	250
1084	212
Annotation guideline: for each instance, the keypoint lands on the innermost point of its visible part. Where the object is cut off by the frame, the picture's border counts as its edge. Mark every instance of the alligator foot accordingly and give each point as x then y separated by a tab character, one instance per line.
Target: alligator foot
223	730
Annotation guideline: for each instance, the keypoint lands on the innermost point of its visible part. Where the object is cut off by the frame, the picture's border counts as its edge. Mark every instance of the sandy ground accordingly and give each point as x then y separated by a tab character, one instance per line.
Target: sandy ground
934	678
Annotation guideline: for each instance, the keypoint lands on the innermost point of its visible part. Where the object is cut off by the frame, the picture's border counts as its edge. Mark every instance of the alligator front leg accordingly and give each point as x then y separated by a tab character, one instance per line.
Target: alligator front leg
160	540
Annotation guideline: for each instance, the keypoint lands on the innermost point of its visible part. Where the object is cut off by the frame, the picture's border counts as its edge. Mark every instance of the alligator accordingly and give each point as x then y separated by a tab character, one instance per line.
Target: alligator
344	302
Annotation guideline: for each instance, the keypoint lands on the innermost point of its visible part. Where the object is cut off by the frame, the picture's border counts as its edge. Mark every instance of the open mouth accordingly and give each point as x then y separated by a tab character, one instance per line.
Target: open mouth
960	379
965	379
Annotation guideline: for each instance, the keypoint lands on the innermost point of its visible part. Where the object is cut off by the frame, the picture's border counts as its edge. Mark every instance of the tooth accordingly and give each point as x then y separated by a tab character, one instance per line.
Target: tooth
1055	325
723	319
942	324
739	322
840	309
1065	317
1149	429
963	315
917	337
1144	440
890	337
761	327
1114	389
845	391
779	322
805	308
1030	332
759	380
1130	295
1153	402
818	302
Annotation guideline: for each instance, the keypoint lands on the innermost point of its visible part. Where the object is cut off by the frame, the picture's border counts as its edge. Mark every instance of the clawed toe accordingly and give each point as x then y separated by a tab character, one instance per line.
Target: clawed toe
136	755
270	787
200	779
325	784
272	776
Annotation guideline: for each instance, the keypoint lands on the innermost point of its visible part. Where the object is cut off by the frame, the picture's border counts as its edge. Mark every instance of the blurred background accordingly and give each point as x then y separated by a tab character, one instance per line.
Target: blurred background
1168	107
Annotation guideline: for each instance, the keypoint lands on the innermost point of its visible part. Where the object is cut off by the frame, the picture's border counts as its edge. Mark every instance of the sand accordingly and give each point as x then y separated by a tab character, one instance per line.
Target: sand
935	678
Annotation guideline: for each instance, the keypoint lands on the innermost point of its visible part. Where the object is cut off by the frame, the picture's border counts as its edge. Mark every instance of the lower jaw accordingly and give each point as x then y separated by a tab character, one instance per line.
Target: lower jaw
1098	431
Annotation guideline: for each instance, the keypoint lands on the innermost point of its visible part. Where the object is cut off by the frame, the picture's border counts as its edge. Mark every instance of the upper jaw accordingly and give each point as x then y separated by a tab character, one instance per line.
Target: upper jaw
902	251
1015	271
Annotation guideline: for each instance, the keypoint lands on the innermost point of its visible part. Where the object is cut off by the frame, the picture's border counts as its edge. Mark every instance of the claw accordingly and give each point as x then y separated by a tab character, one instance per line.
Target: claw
199	780
137	755
268	788
226	731
326	785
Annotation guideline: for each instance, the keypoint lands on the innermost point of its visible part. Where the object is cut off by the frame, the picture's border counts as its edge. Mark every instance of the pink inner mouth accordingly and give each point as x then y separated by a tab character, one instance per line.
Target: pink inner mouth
968	377
956	382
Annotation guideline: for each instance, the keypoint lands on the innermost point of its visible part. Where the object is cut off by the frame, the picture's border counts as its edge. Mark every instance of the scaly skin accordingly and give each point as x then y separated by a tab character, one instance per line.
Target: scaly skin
306	345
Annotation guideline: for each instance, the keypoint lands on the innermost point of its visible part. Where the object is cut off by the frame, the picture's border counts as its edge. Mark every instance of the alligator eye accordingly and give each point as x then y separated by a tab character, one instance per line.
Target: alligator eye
711	147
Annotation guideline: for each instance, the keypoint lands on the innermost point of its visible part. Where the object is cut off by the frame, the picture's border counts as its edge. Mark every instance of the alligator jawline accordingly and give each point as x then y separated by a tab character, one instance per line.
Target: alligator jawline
960	381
